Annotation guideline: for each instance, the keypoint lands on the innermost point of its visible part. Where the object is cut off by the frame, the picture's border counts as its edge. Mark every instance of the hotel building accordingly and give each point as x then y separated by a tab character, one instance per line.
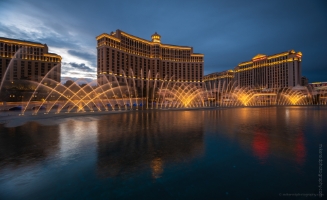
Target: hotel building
219	81
319	90
275	71
304	81
262	71
124	55
318	85
27	60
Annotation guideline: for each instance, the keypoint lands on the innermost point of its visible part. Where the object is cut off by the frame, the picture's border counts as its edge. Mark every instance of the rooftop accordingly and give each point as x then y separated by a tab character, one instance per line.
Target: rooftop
115	36
21	41
220	73
270	56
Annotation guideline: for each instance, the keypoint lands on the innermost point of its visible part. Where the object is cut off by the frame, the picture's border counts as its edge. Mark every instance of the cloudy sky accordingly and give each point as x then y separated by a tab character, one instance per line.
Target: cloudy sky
227	32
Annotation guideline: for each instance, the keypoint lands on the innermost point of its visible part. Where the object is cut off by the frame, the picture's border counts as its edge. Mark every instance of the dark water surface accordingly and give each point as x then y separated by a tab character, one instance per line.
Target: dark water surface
236	153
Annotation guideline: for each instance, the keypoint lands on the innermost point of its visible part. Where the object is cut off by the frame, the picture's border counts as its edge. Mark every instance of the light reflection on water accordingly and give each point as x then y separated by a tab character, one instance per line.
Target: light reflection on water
75	135
165	154
140	140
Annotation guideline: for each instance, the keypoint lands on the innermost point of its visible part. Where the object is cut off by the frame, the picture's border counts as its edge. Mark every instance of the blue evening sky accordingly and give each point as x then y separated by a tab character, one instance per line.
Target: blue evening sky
226	32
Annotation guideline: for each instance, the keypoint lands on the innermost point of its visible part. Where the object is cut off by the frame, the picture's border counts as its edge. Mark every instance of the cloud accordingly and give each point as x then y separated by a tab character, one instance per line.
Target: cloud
83	55
82	67
75	71
227	32
38	33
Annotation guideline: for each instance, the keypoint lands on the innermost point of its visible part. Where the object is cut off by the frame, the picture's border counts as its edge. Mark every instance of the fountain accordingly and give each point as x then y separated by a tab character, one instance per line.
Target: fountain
50	96
117	93
232	95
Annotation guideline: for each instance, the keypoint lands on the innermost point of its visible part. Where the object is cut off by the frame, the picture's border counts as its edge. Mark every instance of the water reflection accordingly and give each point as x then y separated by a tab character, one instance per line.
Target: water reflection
300	149
136	141
260	145
128	142
76	135
265	132
178	152
27	145
157	167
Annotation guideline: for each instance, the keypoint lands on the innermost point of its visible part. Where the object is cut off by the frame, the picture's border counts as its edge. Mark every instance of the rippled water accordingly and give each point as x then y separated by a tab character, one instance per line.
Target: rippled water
236	153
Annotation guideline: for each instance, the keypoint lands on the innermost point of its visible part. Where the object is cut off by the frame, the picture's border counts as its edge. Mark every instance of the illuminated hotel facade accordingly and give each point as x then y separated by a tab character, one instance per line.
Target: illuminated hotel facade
262	72
29	60
276	71
219	81
144	62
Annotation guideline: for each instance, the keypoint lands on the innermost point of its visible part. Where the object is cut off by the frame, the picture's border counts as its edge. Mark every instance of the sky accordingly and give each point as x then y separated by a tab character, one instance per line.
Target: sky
226	32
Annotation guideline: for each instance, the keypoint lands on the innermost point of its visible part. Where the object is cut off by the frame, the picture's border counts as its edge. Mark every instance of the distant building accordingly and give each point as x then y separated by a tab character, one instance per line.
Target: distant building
304	81
219	81
318	85
319	90
125	55
276	71
30	60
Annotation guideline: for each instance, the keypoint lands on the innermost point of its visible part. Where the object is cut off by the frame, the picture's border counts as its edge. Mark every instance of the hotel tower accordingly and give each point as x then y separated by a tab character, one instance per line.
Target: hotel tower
134	59
276	71
29	60
219	81
280	70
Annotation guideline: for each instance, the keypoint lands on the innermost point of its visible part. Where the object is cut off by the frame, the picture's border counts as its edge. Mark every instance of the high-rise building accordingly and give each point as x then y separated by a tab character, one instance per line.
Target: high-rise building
319	85
29	60
126	57
276	71
304	81
219	81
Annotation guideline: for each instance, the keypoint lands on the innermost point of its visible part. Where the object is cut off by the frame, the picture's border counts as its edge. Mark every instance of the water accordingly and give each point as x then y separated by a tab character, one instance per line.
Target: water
234	153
